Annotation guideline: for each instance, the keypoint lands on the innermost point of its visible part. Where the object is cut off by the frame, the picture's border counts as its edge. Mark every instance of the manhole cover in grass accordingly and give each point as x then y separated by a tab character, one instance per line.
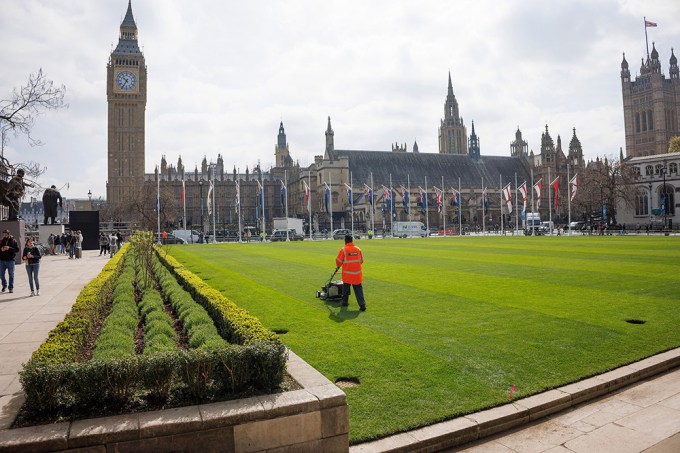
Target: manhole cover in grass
344	382
635	321
280	331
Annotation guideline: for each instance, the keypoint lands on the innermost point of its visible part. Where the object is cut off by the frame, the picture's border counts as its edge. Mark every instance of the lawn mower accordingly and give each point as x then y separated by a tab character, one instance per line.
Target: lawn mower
331	290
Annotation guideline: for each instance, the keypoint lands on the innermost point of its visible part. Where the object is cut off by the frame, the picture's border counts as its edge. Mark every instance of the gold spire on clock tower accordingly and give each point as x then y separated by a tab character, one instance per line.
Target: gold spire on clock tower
126	95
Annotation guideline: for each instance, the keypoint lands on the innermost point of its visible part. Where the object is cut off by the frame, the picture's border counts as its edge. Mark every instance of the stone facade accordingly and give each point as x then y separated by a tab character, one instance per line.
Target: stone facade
651	105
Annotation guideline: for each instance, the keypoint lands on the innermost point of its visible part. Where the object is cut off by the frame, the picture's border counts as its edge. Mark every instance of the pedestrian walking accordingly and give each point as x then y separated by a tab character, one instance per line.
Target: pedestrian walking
8	252
50	243
32	257
351	259
103	242
113	244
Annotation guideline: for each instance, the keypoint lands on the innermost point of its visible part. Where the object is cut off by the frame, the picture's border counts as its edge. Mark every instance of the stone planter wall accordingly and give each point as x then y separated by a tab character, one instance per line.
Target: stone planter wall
315	418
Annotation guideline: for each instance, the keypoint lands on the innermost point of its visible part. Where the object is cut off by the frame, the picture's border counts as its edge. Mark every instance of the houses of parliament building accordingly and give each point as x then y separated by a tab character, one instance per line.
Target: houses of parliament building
458	164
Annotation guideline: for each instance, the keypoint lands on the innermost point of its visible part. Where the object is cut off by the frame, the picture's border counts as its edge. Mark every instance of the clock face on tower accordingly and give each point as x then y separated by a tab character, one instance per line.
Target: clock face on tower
126	80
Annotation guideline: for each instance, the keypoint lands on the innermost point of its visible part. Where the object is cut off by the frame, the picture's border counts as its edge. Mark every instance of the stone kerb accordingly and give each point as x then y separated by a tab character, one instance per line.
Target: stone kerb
314	418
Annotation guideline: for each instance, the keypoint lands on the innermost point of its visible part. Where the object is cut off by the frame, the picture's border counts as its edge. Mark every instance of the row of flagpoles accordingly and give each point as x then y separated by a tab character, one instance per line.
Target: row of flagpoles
388	192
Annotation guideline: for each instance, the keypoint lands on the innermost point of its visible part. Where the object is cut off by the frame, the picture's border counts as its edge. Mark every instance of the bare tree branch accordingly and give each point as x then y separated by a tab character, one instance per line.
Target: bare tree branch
19	113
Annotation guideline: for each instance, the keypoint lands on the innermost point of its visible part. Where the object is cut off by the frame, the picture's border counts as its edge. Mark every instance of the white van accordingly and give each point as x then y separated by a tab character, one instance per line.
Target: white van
190	236
532	224
410	229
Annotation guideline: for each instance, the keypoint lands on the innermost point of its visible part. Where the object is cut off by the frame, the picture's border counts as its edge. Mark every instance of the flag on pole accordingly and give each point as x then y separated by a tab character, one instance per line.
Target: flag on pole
388	197
523	191
183	190
537	188
439	201
158	202
421	200
404	198
209	200
485	202
556	190
348	189
368	192
308	201
237	198
283	194
260	199
455	198
649	24
508	198
327	196
574	186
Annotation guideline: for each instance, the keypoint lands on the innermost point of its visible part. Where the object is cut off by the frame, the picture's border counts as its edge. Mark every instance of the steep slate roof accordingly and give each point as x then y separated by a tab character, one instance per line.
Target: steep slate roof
416	166
127	46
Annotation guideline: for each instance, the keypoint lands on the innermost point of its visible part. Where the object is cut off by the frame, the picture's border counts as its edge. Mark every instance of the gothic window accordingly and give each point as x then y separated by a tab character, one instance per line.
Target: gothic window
657	169
649	170
650	120
667	200
673	168
637	122
644	121
641	203
637	171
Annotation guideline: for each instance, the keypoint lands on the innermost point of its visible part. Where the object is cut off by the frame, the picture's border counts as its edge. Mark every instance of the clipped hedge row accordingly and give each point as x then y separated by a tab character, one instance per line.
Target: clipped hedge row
56	385
234	323
159	333
117	337
198	325
69	337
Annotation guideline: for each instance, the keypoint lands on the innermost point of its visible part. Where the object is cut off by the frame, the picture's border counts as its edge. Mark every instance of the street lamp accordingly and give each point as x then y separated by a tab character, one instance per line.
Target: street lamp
89	196
650	204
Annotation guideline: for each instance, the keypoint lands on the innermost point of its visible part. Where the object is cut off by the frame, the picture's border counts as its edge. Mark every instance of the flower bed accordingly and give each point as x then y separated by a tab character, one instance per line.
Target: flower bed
229	351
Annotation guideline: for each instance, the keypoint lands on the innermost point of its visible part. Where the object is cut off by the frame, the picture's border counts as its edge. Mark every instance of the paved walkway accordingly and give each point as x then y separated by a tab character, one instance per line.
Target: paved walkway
644	417
25	321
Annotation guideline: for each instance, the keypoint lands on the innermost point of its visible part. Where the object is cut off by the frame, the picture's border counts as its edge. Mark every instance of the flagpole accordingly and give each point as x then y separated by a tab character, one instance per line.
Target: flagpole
214	206
483	209
549	201
444	204
427	213
644	20
330	197
408	189
569	200
516	208
460	211
309	202
285	201
184	203
158	205
372	206
264	222
351	201
533	230
391	207
500	186
238	200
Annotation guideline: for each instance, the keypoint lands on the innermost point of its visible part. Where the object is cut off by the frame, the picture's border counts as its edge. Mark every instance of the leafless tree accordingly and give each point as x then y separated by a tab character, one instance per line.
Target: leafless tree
18	114
605	182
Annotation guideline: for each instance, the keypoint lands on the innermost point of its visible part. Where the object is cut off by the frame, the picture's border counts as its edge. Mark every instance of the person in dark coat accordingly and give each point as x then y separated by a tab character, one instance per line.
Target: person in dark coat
50	199
8	251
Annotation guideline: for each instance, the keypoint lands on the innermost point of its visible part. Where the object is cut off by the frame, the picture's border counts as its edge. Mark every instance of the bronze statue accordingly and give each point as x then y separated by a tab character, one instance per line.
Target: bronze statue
50	199
12	192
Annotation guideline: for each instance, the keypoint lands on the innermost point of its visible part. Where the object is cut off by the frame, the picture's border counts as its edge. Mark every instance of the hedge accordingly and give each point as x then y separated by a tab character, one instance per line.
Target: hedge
57	385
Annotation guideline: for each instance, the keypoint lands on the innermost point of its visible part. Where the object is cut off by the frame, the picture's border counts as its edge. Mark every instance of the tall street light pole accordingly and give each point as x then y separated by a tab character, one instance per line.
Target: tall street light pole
664	195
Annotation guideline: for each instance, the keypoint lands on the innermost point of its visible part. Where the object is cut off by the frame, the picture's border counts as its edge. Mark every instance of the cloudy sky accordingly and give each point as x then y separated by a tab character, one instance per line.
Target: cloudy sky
223	74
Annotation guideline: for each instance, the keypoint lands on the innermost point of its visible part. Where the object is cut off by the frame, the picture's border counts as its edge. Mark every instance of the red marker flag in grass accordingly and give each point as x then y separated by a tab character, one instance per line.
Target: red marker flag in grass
556	190
512	390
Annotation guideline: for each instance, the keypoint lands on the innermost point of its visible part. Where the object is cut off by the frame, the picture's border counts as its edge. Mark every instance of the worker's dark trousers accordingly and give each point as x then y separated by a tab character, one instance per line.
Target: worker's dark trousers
358	292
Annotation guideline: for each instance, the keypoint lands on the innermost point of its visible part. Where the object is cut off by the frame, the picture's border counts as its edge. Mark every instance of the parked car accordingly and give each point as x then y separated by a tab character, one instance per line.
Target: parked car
280	235
341	233
170	239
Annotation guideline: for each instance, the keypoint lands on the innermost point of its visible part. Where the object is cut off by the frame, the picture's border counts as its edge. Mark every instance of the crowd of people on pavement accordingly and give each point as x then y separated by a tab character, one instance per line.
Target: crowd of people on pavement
70	244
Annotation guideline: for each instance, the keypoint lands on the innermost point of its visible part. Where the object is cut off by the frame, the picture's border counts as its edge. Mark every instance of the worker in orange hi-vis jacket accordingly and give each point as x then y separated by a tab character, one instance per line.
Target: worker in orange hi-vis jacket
351	258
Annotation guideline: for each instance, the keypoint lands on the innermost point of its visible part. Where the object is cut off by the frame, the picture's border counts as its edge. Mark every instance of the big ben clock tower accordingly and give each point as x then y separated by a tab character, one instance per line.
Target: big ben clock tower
126	95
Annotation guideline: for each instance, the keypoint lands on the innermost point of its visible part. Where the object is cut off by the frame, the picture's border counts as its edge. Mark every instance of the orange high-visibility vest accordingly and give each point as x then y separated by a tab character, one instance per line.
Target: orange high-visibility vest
350	258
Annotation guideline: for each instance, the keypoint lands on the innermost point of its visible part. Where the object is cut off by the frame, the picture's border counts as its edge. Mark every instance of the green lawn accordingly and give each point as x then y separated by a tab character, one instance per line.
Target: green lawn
453	323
